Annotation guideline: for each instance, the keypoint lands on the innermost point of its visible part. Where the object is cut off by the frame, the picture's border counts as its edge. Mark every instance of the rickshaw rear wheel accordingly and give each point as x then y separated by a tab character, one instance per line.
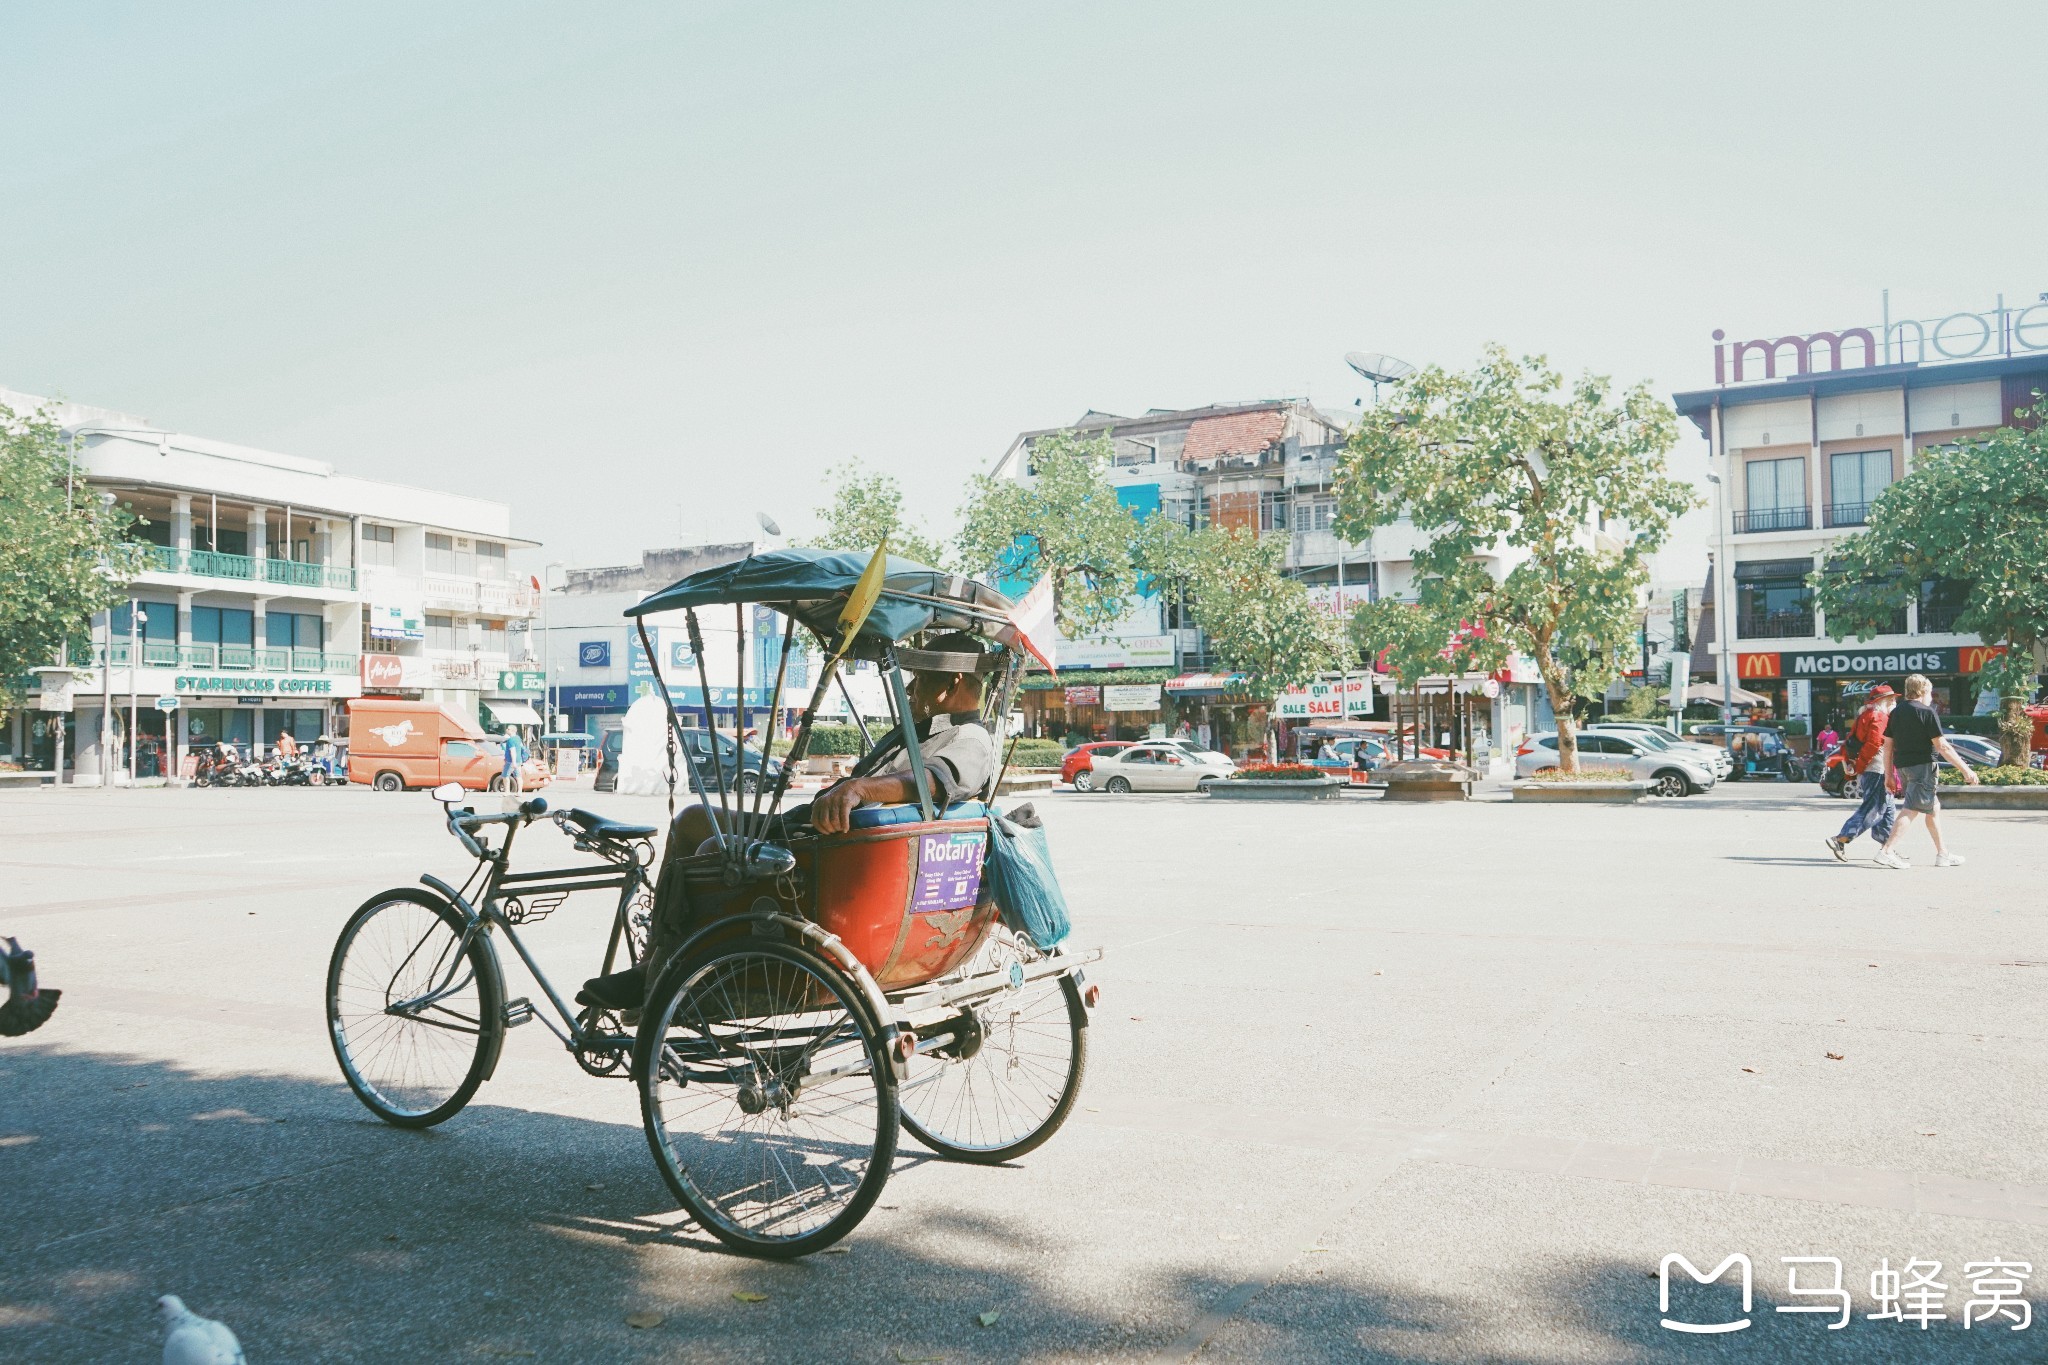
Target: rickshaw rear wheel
1011	1076
765	1156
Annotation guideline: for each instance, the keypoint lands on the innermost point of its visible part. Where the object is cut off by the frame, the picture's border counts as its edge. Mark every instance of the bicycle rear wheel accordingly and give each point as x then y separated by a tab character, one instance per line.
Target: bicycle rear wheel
1010	1073
769	1104
416	1017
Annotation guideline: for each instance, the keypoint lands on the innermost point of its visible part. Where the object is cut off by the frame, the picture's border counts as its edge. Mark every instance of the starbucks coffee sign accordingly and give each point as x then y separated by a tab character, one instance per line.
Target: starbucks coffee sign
254	684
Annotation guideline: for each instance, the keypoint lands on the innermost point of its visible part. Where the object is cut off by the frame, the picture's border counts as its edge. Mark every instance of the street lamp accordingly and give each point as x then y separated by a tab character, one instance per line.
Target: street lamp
549	711
1725	609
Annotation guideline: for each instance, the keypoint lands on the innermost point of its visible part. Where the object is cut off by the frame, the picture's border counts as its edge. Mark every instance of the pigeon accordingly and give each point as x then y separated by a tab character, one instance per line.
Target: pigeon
192	1340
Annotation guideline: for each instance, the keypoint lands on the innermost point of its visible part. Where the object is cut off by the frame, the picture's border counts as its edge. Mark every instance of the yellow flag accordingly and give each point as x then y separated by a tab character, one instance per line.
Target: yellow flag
862	599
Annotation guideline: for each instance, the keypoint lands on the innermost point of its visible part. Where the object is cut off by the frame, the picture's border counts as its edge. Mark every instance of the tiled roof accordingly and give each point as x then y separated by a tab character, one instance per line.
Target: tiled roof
1239	433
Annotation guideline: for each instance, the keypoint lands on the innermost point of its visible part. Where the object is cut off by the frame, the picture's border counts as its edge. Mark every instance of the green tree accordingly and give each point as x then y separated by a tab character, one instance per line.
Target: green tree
1973	513
64	554
1066	524
865	507
1507	456
1259	621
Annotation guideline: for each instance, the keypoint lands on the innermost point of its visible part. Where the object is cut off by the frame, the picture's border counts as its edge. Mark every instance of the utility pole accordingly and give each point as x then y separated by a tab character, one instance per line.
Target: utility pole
135	620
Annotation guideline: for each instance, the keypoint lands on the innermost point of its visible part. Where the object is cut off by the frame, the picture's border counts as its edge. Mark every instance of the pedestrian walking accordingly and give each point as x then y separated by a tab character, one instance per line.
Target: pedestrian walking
1827	738
1911	740
515	760
1864	760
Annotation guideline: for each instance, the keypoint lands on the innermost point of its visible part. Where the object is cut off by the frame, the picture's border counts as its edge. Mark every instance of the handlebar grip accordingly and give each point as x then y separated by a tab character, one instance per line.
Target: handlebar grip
537	806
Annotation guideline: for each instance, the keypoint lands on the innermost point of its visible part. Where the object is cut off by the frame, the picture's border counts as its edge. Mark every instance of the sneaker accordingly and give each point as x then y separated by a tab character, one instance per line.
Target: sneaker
1948	860
1887	858
1839	847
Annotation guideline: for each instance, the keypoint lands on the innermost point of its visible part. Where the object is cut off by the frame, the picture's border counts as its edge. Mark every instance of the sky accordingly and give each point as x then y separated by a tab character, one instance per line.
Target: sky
645	270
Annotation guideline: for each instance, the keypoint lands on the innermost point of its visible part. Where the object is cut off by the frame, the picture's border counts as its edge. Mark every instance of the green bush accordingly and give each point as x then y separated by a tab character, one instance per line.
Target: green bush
832	741
2007	776
1037	753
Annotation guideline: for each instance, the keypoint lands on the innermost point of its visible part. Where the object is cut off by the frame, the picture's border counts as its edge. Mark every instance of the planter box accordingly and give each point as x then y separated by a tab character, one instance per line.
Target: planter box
1994	798
1582	793
1275	789
1426	780
1017	783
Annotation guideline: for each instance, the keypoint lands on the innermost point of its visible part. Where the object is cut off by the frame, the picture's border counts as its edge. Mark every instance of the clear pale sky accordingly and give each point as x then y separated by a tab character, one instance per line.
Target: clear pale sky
641	270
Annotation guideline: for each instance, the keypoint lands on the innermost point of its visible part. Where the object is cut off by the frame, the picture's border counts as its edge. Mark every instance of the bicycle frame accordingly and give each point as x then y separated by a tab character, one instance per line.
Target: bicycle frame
502	886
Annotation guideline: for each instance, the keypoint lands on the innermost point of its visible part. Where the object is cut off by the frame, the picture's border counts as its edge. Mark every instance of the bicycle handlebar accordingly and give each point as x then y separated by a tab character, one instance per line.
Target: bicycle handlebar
461	822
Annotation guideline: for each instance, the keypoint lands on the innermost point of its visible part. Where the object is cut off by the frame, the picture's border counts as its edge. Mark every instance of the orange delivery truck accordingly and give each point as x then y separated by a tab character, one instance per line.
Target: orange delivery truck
394	745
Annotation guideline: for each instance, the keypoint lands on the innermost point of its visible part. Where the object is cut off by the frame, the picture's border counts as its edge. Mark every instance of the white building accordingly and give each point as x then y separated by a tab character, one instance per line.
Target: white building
1801	456
277	589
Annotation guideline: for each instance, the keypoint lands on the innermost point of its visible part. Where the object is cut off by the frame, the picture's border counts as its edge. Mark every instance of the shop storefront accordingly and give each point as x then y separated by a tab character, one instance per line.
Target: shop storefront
1220	714
1824	686
1120	703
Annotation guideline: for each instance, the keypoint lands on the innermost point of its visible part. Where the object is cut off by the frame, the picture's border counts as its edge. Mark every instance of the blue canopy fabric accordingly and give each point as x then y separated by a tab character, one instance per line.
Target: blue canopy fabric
812	585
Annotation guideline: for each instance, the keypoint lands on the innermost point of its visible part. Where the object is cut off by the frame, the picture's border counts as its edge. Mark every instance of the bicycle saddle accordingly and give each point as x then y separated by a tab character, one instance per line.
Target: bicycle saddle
599	827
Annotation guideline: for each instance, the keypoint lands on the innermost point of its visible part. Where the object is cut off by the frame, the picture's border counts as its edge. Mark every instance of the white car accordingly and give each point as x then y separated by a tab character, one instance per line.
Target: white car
1715	757
1669	772
1159	766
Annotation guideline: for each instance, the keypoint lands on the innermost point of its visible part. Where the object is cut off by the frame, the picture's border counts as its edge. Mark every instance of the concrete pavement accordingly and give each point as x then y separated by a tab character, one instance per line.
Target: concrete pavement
1370	1082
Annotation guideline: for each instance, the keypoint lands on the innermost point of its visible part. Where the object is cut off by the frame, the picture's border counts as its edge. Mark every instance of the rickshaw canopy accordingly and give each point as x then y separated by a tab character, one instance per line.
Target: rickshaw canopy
812	585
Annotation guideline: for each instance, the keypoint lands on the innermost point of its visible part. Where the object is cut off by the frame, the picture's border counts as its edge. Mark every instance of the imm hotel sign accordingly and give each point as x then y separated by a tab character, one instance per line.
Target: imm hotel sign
2002	331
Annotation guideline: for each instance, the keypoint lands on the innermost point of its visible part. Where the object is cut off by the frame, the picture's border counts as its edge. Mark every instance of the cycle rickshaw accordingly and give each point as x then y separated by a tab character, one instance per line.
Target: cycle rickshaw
824	991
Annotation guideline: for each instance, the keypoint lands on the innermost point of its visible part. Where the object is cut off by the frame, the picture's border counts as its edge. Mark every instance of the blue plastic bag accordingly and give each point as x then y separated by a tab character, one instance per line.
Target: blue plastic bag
1020	875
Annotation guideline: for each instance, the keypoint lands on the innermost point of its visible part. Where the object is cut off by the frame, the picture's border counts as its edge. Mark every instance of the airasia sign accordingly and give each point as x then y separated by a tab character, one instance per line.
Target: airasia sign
395	672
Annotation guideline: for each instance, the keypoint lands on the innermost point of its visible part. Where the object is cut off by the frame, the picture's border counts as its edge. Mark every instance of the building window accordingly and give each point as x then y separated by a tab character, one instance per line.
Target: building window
380	546
1941	602
294	630
446	555
158	621
1775	496
441	633
223	626
490	559
1272	512
494	637
1772	601
1855	479
1315	513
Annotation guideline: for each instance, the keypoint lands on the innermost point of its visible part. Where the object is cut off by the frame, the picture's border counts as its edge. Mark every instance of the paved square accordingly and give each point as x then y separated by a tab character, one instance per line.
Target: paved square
1369	1082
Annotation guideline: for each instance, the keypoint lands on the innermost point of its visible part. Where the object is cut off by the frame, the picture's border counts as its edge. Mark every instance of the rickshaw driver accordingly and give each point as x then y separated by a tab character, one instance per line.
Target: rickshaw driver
959	758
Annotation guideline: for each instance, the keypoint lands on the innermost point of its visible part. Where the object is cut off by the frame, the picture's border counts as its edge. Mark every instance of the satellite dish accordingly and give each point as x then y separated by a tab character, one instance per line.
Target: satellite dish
1380	369
768	523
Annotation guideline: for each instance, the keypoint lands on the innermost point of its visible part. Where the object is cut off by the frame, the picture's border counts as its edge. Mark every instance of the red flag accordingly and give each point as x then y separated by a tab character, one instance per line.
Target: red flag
533	579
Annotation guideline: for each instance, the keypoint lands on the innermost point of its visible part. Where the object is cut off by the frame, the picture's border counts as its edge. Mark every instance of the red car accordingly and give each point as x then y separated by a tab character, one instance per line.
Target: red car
1075	768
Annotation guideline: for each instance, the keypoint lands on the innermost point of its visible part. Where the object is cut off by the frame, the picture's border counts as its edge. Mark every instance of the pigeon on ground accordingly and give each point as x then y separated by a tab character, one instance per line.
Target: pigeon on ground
192	1340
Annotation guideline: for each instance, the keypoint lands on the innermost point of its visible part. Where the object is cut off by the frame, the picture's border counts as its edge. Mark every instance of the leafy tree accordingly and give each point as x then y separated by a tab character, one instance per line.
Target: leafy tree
64	555
1643	703
1259	621
1974	513
1506	456
866	507
1066	524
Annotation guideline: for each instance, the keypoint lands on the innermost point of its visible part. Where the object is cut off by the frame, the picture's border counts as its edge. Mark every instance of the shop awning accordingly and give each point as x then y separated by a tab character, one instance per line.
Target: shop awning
512	712
1206	682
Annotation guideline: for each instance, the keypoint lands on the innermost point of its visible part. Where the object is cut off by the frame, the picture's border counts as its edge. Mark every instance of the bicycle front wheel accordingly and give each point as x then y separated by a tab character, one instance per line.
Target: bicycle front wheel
415	1010
769	1104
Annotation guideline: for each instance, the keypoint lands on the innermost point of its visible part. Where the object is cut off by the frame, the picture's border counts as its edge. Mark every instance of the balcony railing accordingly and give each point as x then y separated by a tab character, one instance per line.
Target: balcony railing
159	654
246	569
1938	618
1776	625
1849	514
1773	519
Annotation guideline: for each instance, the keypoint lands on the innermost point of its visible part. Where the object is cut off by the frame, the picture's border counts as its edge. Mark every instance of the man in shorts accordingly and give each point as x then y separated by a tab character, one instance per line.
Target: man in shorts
1911	740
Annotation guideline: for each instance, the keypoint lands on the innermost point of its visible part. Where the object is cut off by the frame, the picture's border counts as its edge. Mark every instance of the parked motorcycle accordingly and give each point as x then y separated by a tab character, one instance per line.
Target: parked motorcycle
1834	773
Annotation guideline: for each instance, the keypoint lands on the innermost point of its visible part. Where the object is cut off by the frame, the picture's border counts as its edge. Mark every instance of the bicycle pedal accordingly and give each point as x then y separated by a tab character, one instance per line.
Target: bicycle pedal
518	1012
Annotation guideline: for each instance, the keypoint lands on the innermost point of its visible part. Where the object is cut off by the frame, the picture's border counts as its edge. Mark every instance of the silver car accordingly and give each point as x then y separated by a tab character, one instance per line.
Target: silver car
1668	772
1716	758
1159	766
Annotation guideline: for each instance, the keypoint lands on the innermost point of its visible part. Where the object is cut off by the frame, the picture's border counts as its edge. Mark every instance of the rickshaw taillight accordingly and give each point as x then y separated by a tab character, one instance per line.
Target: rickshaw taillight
906	1046
1092	996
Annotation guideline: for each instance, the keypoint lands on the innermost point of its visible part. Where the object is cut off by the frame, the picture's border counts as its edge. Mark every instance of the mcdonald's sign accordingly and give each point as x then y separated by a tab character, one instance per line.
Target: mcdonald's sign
1972	658
1757	666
